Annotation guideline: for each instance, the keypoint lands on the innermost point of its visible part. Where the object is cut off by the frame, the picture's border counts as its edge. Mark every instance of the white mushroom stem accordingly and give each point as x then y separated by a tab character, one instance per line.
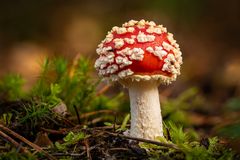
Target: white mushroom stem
146	118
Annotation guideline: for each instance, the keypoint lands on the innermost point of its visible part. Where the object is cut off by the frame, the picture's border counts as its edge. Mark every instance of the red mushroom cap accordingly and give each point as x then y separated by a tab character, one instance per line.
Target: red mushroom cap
140	50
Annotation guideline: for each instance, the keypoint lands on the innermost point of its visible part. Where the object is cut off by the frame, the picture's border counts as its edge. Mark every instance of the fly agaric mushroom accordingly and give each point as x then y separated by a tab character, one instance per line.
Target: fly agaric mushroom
140	55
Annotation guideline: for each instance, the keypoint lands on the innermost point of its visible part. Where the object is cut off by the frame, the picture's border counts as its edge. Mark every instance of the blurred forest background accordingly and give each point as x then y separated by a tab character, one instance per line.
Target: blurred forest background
208	32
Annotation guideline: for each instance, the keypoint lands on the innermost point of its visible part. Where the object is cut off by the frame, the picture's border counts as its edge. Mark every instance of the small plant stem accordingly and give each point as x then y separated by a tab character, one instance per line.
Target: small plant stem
114	124
103	90
36	147
66	121
74	65
16	144
77	113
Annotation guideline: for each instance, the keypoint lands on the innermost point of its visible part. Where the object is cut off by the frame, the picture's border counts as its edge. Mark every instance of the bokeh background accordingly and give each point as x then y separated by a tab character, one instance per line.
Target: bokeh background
208	32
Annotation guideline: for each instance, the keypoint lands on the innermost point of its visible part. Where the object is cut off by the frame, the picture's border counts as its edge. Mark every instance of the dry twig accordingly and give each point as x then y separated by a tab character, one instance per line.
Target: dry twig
16	144
169	145
51	131
87	149
36	147
86	115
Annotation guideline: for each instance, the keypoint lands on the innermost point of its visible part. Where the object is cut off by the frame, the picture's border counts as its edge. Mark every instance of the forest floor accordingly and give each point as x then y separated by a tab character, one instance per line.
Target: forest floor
68	114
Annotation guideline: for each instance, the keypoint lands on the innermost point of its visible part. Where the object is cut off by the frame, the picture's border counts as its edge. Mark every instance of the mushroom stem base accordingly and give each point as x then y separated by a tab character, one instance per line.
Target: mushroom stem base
146	118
